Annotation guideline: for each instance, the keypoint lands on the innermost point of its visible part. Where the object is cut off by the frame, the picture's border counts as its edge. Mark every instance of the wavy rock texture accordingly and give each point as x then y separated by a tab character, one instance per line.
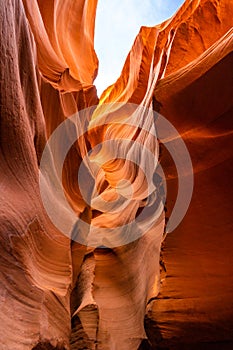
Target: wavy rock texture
195	304
57	293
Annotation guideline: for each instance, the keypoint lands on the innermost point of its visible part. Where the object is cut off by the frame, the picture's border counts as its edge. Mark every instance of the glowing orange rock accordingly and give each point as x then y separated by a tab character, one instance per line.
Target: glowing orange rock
182	69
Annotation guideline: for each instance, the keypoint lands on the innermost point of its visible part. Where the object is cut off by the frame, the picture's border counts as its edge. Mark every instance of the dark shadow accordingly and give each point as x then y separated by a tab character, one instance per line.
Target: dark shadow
47	346
145	345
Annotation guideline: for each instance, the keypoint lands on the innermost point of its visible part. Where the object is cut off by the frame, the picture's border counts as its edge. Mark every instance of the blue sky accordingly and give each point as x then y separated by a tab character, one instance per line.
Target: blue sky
117	24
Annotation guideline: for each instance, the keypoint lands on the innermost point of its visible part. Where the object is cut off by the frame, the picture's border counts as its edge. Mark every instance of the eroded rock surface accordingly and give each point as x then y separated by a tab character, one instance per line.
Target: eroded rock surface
57	293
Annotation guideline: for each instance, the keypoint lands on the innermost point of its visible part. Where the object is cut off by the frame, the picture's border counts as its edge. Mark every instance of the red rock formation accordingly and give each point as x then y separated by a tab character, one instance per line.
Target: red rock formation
184	70
195	304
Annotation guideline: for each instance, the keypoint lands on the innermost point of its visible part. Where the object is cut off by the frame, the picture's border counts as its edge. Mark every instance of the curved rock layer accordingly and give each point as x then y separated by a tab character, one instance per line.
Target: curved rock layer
60	292
194	308
35	257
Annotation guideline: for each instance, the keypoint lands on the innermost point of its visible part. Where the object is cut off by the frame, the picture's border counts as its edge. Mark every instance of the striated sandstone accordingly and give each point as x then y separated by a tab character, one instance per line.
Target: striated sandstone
57	293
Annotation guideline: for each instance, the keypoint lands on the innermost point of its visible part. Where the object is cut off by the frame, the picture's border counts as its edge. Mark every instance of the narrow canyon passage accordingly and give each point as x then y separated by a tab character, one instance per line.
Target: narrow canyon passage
91	186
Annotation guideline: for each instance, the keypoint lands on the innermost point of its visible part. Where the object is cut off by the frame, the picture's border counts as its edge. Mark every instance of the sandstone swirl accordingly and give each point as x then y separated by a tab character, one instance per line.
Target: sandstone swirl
88	289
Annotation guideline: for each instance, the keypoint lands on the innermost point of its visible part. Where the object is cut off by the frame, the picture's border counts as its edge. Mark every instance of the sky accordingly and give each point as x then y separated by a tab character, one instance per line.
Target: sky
117	24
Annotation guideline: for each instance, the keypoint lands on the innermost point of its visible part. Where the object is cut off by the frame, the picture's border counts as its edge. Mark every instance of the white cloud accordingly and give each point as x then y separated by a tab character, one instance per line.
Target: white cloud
117	24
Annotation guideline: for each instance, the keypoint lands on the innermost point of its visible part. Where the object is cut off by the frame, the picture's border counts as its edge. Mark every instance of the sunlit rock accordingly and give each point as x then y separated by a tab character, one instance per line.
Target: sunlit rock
80	263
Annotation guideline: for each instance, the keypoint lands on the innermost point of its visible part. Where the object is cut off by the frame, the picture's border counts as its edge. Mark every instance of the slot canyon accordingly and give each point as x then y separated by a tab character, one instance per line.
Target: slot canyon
116	211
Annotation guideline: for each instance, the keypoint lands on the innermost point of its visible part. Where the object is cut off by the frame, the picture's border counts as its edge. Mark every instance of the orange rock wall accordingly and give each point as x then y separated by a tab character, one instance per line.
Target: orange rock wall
57	291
